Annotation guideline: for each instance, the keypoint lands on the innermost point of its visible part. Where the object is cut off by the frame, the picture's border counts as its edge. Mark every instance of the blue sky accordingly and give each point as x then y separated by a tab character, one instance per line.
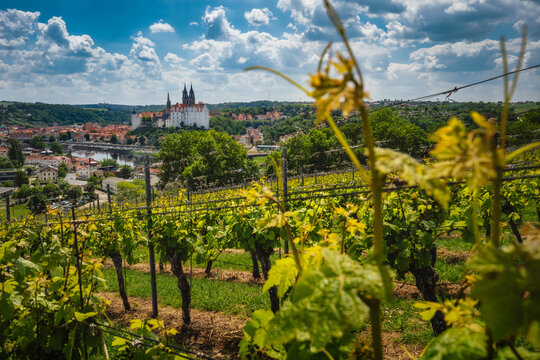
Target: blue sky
134	52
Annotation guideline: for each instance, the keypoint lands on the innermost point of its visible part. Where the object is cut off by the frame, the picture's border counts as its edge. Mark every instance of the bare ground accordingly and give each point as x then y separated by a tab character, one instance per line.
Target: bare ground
217	334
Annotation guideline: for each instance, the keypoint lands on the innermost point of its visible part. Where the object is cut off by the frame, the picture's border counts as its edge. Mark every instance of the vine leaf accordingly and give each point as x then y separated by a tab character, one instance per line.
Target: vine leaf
282	275
414	173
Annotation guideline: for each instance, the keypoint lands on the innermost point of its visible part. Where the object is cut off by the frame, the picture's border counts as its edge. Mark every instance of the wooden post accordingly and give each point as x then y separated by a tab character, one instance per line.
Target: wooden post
284	179
109	196
152	258
8	210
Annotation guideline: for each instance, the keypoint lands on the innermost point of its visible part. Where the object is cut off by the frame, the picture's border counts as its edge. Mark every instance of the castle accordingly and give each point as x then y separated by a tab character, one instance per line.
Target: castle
188	113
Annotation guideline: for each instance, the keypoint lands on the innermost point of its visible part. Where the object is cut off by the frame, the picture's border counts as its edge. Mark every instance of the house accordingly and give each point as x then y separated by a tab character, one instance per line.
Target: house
47	173
3	151
112	183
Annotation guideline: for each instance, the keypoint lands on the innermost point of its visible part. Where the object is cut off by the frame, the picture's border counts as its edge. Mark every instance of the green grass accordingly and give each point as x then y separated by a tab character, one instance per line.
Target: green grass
208	295
242	299
17	211
225	261
401	316
454	244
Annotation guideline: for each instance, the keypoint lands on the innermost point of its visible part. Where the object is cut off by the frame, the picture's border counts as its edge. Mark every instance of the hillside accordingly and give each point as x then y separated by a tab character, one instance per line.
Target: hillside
40	114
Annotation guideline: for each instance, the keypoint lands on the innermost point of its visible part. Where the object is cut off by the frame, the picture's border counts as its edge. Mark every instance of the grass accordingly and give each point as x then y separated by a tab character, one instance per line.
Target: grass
207	295
242	299
225	261
17	211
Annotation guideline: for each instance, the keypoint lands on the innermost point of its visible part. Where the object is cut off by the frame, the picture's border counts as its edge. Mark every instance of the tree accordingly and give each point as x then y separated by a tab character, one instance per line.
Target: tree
129	141
109	163
50	189
142	140
22	192
37	142
73	194
212	156
37	203
56	148
125	171
15	152
5	163
20	178
62	170
87	137
52	139
65	136
114	139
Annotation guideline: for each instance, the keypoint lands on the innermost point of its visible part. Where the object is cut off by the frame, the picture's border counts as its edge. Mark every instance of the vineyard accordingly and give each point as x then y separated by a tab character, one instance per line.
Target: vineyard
391	258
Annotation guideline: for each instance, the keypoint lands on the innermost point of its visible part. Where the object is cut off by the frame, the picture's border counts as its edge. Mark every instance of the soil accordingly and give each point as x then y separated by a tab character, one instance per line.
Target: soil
451	256
211	333
218	335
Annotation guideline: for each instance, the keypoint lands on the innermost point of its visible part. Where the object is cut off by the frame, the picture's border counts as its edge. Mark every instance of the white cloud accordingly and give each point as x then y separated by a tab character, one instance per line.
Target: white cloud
258	17
161	26
173	58
15	26
193	23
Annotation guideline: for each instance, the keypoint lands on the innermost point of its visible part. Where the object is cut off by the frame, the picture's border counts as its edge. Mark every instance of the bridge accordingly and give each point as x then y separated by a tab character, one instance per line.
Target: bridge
102	146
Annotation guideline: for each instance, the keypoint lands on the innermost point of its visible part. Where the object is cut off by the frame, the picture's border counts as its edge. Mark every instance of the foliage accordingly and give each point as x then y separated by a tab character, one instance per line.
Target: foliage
209	156
20	178
37	142
62	170
125	171
15	152
56	148
5	163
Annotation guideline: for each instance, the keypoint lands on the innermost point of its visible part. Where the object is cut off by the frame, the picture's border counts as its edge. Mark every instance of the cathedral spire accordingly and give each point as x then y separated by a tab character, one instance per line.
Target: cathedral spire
168	105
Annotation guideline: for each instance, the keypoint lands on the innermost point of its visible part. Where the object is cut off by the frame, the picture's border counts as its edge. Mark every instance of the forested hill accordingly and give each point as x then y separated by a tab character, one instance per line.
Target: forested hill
40	114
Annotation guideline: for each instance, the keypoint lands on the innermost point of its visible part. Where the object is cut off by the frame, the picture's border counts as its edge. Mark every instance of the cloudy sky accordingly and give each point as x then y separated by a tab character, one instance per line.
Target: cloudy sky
134	52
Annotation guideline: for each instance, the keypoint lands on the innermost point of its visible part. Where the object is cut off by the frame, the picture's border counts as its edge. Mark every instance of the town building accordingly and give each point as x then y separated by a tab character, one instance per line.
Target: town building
47	173
112	183
188	113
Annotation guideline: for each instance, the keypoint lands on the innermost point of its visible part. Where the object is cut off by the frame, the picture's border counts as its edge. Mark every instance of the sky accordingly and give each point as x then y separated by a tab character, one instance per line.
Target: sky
134	52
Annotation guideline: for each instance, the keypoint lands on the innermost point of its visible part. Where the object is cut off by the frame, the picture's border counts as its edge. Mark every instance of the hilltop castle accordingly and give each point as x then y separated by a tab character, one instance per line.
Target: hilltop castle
188	113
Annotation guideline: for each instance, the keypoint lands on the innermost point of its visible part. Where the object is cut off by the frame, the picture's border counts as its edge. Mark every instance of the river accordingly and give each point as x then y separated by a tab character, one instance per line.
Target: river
121	158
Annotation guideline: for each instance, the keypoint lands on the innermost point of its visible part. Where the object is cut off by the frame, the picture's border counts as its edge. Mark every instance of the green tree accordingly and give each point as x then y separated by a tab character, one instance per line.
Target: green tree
214	158
114	139
125	171
109	163
37	203
22	192
52	139
5	163
65	136
56	148
37	142
129	141
20	178
142	140
87	137
15	152
62	170
73	194
50	189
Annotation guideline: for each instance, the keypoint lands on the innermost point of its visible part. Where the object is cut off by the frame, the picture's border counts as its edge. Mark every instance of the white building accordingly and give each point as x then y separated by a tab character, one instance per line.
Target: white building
47	173
188	113
112	182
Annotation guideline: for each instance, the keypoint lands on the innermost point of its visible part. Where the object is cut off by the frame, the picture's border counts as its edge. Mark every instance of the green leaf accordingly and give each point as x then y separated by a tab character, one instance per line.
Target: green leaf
119	341
83	316
327	303
414	173
282	275
498	291
456	343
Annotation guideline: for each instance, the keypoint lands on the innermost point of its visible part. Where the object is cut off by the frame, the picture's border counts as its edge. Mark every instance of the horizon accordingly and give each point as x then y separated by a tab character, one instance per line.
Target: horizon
101	51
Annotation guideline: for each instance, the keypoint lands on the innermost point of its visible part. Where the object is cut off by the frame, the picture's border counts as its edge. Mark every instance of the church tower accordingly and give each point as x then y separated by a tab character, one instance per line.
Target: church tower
185	95
191	96
168	106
